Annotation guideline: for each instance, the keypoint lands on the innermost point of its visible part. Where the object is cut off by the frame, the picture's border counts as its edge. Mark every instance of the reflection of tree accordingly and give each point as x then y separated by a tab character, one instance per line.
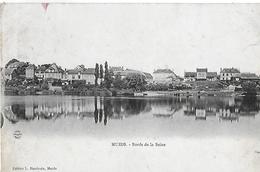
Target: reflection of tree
19	110
96	111
100	111
2	120
249	104
108	107
134	106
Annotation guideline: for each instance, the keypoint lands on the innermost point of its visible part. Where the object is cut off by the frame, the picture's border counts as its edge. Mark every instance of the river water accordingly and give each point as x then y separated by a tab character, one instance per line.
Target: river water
74	133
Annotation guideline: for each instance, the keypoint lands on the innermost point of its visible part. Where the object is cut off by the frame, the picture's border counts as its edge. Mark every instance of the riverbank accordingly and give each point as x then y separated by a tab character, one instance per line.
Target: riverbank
13	91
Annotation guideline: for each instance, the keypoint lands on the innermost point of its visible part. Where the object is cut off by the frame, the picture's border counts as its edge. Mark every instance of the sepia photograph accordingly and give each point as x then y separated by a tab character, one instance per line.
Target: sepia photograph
148	87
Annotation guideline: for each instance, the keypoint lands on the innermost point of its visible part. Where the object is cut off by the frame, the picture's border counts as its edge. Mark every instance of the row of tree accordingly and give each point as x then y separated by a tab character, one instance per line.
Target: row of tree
105	77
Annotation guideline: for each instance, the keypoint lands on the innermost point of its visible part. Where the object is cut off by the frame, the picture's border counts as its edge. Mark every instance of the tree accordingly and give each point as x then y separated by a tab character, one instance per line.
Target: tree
118	82
96	74
101	73
249	87
45	85
10	62
108	77
136	82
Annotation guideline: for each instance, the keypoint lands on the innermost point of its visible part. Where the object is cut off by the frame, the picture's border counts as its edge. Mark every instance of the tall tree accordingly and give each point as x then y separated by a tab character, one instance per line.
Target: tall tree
96	74
108	77
101	73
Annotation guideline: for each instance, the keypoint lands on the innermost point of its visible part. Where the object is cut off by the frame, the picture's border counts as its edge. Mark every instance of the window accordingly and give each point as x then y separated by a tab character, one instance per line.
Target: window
78	76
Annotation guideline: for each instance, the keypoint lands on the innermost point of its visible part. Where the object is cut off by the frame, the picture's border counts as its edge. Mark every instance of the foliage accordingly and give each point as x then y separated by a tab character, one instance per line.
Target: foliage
135	82
249	87
79	84
10	62
157	87
118	82
45	85
96	74
57	82
108	77
101	73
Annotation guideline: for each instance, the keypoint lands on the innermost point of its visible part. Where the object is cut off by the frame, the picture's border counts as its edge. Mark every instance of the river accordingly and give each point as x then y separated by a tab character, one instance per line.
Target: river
73	133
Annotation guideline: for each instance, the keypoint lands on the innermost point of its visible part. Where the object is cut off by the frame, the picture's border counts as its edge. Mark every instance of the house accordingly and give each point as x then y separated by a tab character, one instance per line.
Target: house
212	76
226	74
80	73
164	76
190	76
116	69
248	77
201	73
30	72
53	72
40	69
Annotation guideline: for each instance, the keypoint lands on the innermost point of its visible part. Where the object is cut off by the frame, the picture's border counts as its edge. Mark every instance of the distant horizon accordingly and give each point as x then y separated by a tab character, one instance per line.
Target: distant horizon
125	67
145	37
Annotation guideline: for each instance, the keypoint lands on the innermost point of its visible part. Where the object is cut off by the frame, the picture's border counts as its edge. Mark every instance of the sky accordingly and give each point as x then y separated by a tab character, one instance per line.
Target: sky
144	37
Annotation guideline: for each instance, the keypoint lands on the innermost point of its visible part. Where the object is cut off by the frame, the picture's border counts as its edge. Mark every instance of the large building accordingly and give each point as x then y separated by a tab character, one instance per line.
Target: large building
226	74
200	75
80	73
164	76
53	72
122	72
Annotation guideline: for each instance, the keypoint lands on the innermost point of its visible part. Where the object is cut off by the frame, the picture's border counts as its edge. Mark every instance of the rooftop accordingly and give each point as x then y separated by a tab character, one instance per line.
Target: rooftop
229	70
202	70
163	71
190	74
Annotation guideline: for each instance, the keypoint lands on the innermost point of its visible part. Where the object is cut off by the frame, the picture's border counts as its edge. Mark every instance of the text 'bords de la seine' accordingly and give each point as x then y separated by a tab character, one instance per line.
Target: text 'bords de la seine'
139	144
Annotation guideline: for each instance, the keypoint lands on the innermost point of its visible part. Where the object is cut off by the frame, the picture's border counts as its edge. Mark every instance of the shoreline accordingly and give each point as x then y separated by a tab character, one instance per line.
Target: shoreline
127	93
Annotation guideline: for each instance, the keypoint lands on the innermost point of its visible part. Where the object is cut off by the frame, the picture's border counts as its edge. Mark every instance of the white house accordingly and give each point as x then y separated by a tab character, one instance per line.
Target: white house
80	73
226	74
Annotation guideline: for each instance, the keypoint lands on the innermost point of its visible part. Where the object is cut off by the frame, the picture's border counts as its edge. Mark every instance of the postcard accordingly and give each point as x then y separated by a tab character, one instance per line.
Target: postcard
130	87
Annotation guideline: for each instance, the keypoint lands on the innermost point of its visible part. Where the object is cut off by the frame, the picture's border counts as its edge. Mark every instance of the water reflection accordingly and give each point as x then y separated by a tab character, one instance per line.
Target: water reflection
102	109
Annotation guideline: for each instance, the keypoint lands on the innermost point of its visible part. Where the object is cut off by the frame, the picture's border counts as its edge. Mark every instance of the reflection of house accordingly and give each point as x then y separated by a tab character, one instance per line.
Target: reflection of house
226	74
30	72
200	114
54	72
164	76
80	73
228	114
